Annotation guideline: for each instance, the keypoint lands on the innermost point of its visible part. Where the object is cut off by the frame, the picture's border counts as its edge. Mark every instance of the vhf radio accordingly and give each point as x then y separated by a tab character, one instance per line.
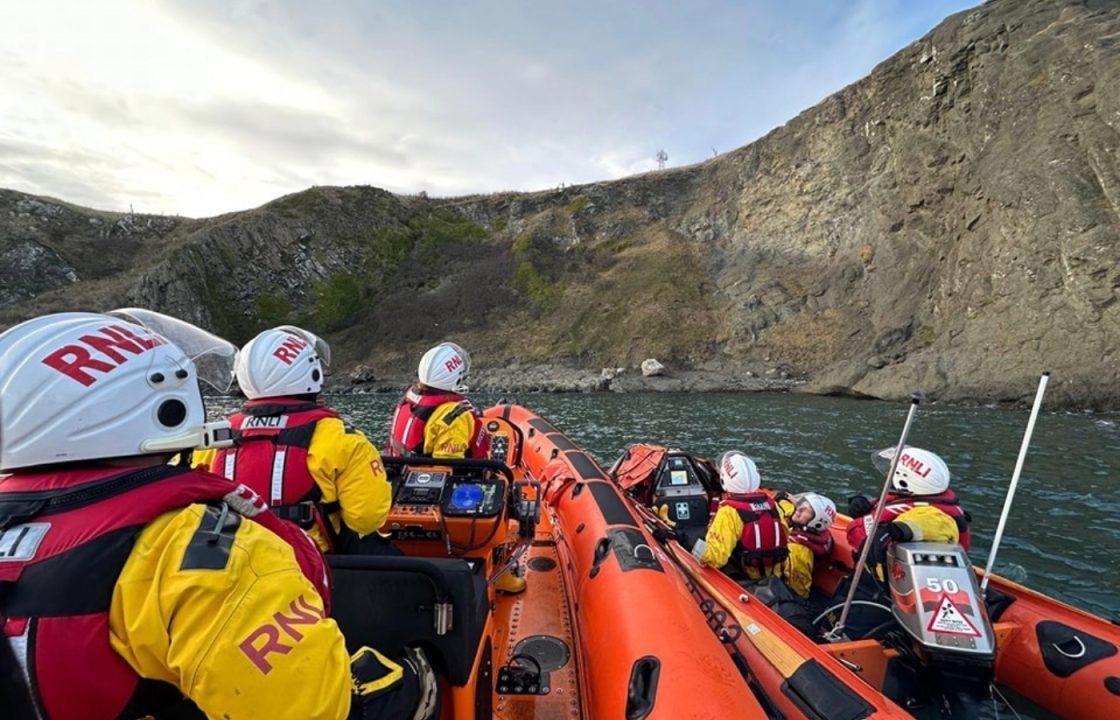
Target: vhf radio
422	487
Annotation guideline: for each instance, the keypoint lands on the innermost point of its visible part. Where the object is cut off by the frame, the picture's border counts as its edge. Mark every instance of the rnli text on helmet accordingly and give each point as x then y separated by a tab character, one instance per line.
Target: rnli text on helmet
75	360
289	350
453	363
916	465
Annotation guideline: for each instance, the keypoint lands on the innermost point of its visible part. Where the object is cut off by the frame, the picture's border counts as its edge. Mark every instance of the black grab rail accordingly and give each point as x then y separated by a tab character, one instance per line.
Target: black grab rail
471	463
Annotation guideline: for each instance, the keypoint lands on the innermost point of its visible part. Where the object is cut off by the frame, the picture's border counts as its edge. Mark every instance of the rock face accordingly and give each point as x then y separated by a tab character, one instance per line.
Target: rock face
950	223
28	268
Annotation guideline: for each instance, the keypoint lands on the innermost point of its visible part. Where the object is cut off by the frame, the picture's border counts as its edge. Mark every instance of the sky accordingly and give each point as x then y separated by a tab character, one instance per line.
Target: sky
198	107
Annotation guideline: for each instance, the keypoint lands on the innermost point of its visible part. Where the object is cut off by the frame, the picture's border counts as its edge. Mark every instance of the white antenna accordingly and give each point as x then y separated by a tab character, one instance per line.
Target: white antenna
991	565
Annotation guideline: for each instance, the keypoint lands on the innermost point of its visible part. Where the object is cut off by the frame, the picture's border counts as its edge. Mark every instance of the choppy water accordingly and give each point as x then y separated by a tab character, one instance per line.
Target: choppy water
1063	537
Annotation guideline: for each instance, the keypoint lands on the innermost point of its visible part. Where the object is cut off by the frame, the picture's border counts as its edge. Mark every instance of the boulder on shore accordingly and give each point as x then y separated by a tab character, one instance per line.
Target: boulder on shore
361	375
652	368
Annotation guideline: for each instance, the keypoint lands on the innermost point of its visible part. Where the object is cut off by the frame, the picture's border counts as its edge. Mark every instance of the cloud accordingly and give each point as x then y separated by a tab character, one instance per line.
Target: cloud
208	106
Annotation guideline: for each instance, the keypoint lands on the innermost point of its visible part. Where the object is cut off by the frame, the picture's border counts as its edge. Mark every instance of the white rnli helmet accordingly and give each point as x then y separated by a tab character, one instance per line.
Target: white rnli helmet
738	474
919	472
86	386
445	367
282	361
824	510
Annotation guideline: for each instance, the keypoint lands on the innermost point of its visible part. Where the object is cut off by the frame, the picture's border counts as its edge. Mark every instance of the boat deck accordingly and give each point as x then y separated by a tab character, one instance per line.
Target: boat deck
538	623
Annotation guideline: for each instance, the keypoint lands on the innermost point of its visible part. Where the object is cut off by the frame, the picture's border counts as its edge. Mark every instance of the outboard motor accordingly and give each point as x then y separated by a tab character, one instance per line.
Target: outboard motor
937	602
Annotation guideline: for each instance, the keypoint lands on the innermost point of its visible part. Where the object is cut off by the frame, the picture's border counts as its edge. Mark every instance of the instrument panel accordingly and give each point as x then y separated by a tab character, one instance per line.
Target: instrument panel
440	510
456	507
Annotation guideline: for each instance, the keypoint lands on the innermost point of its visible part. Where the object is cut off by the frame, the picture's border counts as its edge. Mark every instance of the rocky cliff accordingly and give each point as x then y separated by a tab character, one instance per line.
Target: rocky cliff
950	223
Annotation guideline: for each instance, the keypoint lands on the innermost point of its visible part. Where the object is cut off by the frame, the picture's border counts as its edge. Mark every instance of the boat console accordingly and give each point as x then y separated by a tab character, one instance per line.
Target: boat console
451	519
458	507
679	486
445	511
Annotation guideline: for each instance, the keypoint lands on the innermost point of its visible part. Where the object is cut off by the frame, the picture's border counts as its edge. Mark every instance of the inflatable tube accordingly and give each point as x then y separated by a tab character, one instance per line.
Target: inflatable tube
645	647
800	678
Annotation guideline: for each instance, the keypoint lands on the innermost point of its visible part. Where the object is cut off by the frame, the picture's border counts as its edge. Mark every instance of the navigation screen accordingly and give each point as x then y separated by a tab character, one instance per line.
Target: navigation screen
465	497
469	496
481	498
678	477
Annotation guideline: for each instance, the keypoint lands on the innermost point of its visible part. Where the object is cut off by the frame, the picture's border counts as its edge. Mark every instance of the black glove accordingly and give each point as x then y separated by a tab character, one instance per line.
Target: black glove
858	506
880	541
900	532
782	495
664	534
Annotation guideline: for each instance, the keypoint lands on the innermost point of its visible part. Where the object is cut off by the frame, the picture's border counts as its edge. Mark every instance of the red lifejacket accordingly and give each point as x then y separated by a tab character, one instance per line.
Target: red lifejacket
271	438
896	505
763	540
406	435
819	542
65	537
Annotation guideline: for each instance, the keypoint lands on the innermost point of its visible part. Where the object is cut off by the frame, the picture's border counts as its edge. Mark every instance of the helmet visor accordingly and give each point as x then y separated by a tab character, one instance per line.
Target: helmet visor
322	348
881	459
213	357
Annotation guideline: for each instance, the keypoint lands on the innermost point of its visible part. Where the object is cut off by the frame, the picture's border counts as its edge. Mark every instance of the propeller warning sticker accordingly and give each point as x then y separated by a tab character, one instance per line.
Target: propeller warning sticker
948	619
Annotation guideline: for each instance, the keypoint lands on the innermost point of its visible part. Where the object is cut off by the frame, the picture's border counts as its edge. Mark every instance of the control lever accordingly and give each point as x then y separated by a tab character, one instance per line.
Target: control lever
529	510
526	510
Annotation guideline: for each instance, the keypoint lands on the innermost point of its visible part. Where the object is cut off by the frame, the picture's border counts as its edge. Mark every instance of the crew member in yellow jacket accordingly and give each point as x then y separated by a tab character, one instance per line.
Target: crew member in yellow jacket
809	516
134	586
748	534
296	452
918	507
436	420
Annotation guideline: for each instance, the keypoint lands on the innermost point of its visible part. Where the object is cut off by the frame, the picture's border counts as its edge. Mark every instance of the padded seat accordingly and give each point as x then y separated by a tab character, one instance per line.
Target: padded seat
389	602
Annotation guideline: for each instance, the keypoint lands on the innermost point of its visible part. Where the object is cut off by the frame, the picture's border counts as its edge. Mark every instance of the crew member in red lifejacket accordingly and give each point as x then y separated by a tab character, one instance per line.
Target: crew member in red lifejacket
748	530
435	419
129	586
919	507
810	516
296	452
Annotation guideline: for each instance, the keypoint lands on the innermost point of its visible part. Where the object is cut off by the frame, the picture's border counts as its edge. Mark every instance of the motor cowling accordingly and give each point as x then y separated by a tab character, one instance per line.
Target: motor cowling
937	601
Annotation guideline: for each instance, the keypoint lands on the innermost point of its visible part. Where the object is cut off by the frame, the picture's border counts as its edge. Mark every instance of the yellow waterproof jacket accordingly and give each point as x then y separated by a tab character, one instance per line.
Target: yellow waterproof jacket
926	524
347	468
723	537
443	439
245	641
798	567
929	524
